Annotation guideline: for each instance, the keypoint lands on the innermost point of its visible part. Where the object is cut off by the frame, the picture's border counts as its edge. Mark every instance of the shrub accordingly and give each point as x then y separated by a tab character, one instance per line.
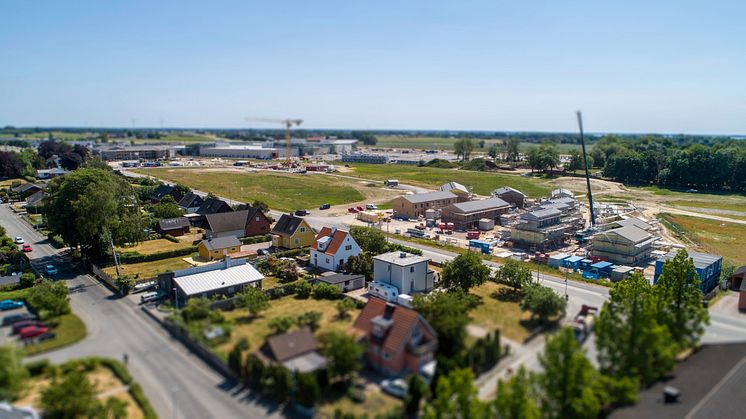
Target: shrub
344	306
253	371
27	280
280	325
49	299
140	398
196	309
301	289
308	389
136	257
125	284
324	291
56	241
170	238
256	239
37	367
310	319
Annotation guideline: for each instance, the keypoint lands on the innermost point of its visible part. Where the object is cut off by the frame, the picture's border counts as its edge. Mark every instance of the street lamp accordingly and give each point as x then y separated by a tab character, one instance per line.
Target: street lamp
567	297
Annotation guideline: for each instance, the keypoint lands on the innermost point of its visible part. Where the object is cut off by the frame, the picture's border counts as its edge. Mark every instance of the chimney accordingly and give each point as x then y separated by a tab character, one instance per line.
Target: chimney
402	255
227	261
334	230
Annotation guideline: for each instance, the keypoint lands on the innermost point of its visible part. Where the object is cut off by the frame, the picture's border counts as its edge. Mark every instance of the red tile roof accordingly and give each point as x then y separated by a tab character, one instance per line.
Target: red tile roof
338	238
403	321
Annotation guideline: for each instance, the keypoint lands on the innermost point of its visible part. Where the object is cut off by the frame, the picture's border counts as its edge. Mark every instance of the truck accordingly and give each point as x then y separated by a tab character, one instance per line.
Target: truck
473	234
582	324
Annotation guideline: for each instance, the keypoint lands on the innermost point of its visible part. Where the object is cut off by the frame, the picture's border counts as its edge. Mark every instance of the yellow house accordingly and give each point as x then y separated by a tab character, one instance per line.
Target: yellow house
292	232
218	247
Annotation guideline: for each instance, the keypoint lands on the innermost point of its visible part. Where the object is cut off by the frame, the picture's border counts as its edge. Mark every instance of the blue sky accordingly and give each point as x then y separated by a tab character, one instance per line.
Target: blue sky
631	66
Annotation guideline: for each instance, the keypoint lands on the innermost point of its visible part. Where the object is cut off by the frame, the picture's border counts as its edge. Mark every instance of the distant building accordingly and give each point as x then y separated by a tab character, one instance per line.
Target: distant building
414	206
406	272
252	151
512	196
292	232
466	215
461	191
213	206
244	223
562	193
164	190
365	158
51	173
332	248
144	152
628	245
708	268
191	202
345	282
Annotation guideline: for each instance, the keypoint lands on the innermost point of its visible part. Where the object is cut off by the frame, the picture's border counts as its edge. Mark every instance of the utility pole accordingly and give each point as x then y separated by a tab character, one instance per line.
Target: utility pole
114	252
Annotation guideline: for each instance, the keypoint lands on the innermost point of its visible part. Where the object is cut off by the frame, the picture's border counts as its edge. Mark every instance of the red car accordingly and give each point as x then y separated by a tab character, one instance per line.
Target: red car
359	208
24	324
352	210
32	331
27	248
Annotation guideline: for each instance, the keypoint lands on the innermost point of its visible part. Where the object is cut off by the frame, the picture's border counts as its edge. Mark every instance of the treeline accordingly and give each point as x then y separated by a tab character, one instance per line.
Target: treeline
719	164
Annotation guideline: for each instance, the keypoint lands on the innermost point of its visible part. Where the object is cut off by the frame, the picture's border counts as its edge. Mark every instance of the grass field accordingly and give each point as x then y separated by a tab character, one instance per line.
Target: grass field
446	143
149	269
483	183
377	403
8	182
725	239
501	313
257	330
720	204
68	329
155	246
281	191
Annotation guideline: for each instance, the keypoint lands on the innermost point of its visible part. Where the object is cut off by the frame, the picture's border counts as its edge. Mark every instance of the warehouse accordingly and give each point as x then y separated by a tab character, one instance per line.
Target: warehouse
466	215
254	151
147	152
628	245
414	206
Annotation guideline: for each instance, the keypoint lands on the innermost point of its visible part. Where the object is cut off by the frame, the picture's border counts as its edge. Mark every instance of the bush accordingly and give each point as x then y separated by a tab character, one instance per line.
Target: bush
253	371
308	389
118	369
170	238
324	291
140	398
49	299
310	319
256	239
137	257
27	280
280	325
125	284
395	247
302	289
56	241
196	309
38	367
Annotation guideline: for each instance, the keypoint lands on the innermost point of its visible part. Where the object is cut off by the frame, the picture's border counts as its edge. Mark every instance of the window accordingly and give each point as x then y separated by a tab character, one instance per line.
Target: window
302	229
348	247
297	240
327	260
411	269
231	290
258	218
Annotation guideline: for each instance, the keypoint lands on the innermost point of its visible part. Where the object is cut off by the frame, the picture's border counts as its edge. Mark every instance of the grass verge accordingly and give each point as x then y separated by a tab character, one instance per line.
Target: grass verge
68	329
149	269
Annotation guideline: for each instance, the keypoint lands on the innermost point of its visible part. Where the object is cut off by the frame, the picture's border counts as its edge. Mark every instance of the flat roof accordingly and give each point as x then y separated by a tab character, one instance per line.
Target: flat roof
601	265
574	259
221	277
396	259
701	260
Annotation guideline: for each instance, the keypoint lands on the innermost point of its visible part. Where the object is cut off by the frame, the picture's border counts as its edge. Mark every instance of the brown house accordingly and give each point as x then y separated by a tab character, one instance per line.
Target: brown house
510	195
173	226
244	223
414	206
398	340
297	351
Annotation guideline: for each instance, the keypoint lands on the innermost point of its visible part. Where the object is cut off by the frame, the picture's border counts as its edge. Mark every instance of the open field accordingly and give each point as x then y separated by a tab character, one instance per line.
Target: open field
68	329
446	143
155	246
503	313
257	330
281	191
149	269
8	182
179	139
376	403
483	183
725	239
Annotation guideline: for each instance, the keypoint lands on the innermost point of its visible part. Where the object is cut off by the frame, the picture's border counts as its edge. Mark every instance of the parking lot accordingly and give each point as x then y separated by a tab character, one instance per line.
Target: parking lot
6	336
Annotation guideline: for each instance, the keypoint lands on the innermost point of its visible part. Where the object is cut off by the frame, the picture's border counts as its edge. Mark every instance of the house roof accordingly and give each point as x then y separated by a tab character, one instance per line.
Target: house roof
630	233
230	221
217	243
286	225
429	196
480	205
190	200
229	273
35	198
505	190
402	320
25	187
454	186
340	278
710	381
543	213
561	191
213	206
162	190
171	223
601	265
285	346
336	239
395	258
701	260
633	222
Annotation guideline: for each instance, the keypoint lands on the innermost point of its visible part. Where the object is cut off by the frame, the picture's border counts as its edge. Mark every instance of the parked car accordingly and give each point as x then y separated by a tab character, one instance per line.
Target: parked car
352	210
15	318
32	331
150	297
324	206
262	252
26	248
10	304
19	240
46	336
301	213
372	207
359	208
51	270
144	286
692	191
25	323
397	388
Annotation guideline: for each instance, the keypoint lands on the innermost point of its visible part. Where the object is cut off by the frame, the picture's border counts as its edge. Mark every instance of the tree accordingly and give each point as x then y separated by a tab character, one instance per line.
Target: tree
282	324
342	352
263	206
533	157
49	299
71	397
455	397
12	372
308	389
10	165
310	319
163	210
516	397
361	265
50	148
464	272
369	239
255	301
448	314
196	309
27	280
567	378
70	161
344	306
113	408
629	339
125	283
366	138
88	207
542	302
417	392
680	301
493	151
514	274
576	161
235	357
481	143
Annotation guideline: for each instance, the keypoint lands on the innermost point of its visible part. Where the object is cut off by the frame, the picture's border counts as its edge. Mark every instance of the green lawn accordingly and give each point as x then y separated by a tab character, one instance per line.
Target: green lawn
375	403
503	313
483	183
281	191
68	329
149	269
725	239
155	246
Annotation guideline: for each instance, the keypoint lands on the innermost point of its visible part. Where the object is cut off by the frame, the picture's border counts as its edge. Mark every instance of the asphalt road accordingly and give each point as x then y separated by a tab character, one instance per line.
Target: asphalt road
177	383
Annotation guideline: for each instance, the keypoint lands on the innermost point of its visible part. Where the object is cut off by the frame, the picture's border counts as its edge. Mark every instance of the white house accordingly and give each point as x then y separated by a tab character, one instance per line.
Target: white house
332	248
406	272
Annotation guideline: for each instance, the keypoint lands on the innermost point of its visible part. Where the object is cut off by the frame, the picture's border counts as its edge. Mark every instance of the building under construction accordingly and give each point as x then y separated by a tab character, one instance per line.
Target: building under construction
541	230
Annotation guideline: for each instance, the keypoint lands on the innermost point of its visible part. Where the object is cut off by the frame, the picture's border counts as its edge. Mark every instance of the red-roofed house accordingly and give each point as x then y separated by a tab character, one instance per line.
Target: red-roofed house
332	248
398	340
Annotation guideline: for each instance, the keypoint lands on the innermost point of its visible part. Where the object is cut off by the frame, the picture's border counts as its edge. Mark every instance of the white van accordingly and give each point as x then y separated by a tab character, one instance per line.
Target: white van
150	297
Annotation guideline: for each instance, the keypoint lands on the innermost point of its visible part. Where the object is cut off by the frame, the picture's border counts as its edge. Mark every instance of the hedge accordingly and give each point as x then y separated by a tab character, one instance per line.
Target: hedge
256	239
170	238
136	257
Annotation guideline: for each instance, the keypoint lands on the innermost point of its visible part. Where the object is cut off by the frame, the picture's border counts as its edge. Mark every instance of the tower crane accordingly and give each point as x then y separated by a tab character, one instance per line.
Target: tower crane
288	123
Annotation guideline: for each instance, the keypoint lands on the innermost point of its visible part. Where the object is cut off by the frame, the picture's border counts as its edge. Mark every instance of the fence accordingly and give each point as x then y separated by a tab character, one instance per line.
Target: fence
103	277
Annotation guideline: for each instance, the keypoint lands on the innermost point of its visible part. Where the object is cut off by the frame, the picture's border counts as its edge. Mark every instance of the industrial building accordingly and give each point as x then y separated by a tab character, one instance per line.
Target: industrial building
541	229
146	152
466	215
510	195
365	158
708	268
251	151
414	206
628	245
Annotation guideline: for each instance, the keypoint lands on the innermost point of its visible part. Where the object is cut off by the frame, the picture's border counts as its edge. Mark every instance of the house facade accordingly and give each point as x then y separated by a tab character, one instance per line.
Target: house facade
173	226
466	215
398	341
414	206
218	247
510	195
245	223
406	272
292	232
332	248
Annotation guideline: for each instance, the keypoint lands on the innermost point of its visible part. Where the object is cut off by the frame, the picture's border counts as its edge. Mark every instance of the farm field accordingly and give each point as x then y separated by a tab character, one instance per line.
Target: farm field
483	183
446	143
281	191
144	270
713	236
